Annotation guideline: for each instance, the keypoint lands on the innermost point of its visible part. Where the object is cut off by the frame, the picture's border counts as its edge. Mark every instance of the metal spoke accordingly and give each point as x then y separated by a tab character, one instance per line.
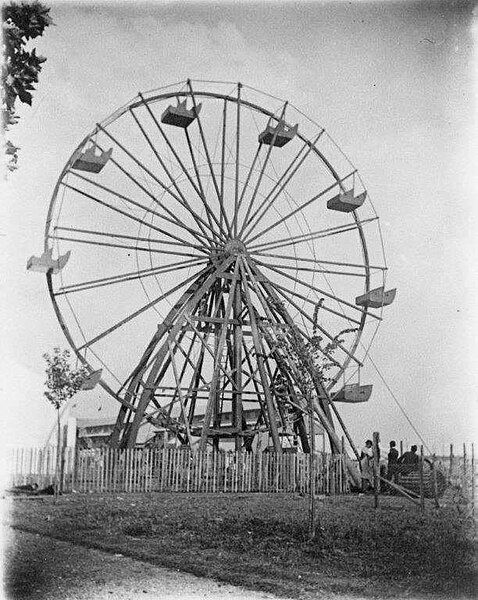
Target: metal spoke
223	152
208	158
196	170
111	245
319	291
238	134
141	206
308	237
158	181
128	215
142	309
311	269
249	174
317	261
314	303
94	283
199	192
270	201
261	173
125	237
173	182
299	208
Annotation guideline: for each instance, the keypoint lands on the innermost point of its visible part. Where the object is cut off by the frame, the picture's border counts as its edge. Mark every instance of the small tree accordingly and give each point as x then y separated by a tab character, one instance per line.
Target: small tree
62	384
20	67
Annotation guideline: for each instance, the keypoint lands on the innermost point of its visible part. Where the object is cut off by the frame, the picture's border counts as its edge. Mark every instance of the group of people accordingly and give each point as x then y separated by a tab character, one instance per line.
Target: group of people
396	464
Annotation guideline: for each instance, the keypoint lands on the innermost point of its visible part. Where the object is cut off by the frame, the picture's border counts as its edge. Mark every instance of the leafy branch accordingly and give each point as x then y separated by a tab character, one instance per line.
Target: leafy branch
20	69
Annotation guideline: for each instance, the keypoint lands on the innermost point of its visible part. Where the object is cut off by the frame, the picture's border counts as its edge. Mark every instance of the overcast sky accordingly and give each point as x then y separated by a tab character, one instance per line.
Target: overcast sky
395	86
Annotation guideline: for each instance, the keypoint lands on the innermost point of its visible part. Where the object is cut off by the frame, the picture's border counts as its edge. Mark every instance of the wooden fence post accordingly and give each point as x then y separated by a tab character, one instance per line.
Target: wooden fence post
62	460
473	479
401	447
376	466
422	487
434	481
451	461
465	482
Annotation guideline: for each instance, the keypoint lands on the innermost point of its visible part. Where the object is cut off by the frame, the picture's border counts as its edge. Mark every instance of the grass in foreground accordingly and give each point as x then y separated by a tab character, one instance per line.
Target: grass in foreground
260	541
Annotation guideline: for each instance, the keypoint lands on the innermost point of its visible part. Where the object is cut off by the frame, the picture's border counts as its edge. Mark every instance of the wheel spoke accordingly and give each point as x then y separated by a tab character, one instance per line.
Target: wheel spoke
173	182
314	303
236	183
185	171
129	215
153	176
125	237
93	283
316	261
249	174
285	176
319	291
261	174
195	234
126	247
223	153
141	310
208	158
310	269
308	237
299	208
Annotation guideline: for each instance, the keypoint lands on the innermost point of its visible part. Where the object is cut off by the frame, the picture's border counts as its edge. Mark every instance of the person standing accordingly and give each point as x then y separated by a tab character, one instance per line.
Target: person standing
392	462
409	461
366	466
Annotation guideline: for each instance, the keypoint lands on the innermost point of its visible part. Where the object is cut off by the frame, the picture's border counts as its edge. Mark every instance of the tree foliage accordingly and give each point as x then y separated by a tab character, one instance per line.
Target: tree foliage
62	381
21	67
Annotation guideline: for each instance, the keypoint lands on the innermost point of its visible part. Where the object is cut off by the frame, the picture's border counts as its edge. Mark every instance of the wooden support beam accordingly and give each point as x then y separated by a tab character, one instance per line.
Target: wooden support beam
217	365
177	317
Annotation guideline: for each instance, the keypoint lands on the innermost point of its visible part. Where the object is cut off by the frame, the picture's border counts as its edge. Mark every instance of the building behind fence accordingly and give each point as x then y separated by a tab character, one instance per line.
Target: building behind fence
177	470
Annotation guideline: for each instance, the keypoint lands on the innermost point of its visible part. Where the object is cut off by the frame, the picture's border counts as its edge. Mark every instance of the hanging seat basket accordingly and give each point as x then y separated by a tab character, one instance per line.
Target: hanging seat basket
346	201
46	263
179	115
90	161
354	393
376	298
283	134
91	380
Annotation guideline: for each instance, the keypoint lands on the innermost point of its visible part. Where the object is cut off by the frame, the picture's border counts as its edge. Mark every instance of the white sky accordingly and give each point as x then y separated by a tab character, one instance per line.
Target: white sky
395	86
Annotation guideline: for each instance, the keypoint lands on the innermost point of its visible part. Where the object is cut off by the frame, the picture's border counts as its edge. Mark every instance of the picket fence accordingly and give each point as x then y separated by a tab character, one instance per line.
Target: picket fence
106	470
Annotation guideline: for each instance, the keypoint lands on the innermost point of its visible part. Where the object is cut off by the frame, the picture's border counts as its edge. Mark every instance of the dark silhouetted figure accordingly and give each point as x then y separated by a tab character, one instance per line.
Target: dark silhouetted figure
409	461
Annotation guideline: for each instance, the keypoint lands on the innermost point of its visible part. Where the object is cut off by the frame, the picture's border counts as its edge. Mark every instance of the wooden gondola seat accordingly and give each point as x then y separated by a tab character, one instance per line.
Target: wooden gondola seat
91	380
46	263
376	298
353	393
90	161
283	134
179	115
346	201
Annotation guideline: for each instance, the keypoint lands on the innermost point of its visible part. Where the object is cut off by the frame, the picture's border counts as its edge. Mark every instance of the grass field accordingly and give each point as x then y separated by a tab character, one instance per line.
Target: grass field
260	541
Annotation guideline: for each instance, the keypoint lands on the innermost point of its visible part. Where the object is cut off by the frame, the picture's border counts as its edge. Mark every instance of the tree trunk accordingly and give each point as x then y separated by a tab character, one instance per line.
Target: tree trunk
58	453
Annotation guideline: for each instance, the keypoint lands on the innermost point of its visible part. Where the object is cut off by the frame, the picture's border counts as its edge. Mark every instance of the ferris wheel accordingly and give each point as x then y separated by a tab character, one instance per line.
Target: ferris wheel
210	241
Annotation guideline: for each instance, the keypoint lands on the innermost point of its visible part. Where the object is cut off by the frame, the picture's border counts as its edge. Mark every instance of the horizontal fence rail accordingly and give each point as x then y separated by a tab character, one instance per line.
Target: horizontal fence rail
107	470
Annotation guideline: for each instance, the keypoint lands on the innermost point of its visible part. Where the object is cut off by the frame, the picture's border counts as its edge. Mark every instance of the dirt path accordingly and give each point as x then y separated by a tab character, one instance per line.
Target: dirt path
41	568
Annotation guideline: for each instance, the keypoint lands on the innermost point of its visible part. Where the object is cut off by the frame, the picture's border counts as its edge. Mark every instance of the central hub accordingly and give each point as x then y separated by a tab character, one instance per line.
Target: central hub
234	247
